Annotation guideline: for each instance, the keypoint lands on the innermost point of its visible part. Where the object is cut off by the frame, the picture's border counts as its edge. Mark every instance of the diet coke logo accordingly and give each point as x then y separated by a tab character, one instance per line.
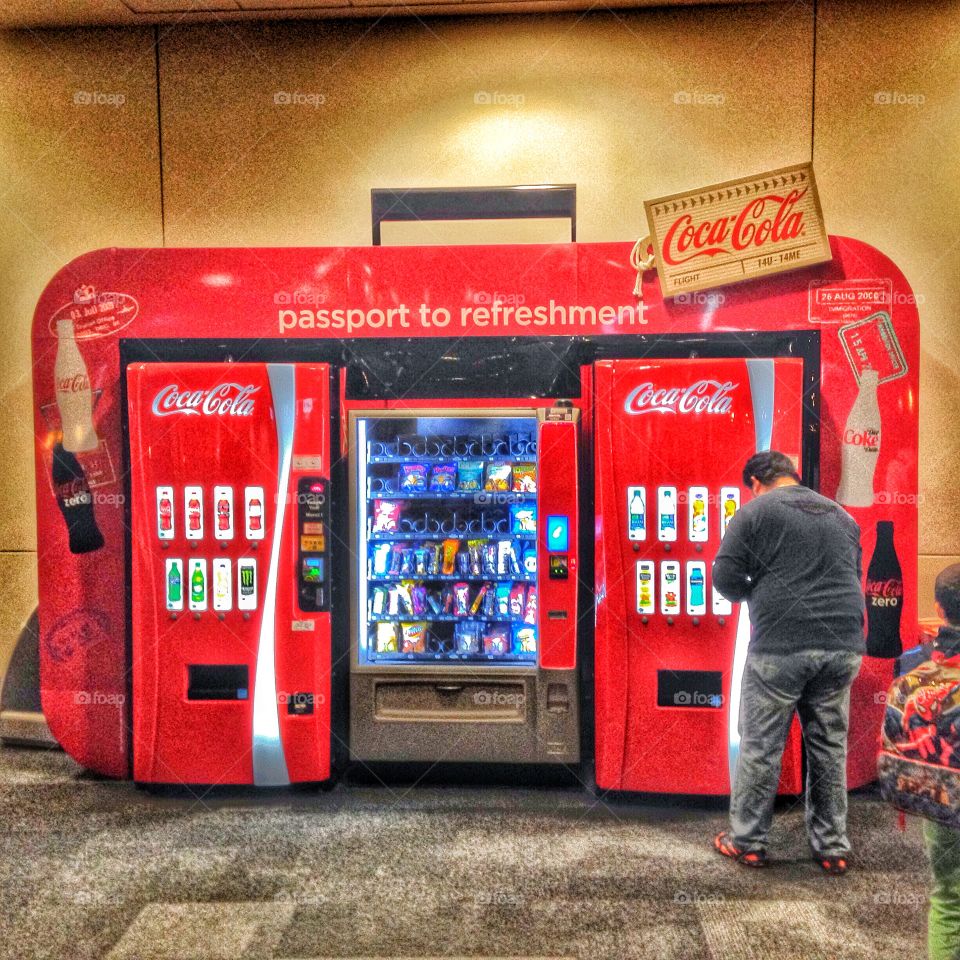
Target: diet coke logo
868	439
704	396
225	399
767	219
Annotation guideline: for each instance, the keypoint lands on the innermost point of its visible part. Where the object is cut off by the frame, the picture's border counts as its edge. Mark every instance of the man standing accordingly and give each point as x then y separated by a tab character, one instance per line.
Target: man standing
795	557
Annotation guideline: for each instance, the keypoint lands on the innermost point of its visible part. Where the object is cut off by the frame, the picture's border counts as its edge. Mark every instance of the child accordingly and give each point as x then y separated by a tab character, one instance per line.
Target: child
943	843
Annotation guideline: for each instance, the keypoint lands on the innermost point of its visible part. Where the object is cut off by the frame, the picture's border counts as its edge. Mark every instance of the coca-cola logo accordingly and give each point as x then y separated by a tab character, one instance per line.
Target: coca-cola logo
885	593
704	396
225	399
868	439
73	384
763	220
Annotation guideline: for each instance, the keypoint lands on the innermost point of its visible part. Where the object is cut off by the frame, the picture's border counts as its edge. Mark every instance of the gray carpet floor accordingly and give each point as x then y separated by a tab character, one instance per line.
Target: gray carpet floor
91	869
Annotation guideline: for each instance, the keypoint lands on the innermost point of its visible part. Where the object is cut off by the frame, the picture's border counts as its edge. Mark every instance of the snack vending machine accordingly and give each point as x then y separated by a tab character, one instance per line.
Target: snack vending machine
670	441
464	586
230	554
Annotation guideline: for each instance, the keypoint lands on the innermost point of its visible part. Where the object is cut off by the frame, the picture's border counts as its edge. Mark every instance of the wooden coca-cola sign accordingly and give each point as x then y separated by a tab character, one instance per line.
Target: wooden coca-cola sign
734	231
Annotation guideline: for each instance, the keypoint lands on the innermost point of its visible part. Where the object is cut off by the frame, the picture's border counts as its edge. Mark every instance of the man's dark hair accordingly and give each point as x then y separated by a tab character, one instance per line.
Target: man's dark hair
946	591
768	466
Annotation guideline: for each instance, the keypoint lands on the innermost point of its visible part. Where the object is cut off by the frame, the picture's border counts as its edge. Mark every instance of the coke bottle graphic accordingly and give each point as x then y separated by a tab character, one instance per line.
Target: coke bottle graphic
860	445
884	596
75	501
74	397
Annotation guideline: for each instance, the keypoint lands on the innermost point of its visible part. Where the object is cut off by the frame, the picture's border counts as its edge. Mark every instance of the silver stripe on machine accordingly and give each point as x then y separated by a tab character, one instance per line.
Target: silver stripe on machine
269	763
762	390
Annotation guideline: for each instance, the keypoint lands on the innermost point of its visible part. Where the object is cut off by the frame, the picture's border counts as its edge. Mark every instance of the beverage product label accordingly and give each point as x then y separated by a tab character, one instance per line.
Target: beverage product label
697	514
667	513
246	584
670	586
253	513
222	585
729	505
696	588
637	513
719	604
166	524
223	513
197	584
646	588
193	512
173	583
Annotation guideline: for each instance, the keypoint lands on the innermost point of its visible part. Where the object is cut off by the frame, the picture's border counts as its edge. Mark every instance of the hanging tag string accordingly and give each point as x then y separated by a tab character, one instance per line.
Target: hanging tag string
642	258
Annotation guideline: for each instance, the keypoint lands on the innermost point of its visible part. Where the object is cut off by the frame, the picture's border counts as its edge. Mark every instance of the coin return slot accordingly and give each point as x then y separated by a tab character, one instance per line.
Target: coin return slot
556	614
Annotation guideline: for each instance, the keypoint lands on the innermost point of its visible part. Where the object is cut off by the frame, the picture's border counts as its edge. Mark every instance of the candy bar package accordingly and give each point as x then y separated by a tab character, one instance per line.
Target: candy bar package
434	603
405	597
386	515
530	559
518	601
418	596
381	559
413	478
514	561
393	601
443	478
466	638
503	600
490	558
530	609
450	549
447	601
478	599
463	563
396	558
489	600
498	477
413	638
524	639
523	518
420	559
435	563
378	602
461	599
504	551
406	561
475	550
525	478
387	638
470	476
496	640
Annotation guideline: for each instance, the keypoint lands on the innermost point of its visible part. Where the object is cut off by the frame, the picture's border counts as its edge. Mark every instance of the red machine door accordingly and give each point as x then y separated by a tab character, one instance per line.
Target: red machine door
670	440
230	468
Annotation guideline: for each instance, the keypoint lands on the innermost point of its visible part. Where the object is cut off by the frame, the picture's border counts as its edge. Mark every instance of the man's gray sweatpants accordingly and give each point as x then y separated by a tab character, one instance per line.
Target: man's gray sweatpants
815	684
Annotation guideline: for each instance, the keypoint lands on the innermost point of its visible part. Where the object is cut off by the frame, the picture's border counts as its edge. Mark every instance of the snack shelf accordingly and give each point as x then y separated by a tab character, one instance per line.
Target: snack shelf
501	497
375	618
441	535
487	659
457	578
515	460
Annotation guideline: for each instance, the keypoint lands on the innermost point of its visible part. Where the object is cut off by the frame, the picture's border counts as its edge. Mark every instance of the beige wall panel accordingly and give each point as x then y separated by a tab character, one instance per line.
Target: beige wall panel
625	105
78	152
18	574
886	147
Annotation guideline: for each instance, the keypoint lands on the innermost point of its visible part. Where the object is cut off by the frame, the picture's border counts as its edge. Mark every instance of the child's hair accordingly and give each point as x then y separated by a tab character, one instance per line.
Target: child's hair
946	592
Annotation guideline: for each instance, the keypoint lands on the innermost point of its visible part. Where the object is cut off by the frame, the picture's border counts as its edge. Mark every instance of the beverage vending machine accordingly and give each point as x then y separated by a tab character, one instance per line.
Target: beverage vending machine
230	572
670	438
464	583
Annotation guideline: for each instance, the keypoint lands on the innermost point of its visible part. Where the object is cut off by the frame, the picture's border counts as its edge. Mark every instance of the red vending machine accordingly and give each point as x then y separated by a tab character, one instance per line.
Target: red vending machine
671	437
230	555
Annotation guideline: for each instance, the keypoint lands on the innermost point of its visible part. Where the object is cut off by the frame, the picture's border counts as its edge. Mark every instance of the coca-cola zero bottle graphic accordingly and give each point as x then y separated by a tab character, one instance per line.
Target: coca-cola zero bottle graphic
884	596
860	445
74	396
75	501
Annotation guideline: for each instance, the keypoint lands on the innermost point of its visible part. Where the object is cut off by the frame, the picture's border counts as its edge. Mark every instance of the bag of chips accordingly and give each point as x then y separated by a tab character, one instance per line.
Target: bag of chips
413	638
386	638
524	639
470	476
386	515
496	641
443	478
523	518
466	638
498	477
413	478
525	478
